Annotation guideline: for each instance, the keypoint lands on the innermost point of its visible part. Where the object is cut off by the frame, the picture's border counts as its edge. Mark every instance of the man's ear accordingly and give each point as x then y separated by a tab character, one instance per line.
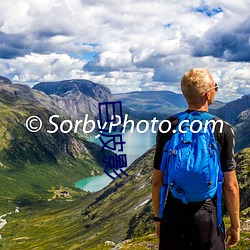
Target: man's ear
207	95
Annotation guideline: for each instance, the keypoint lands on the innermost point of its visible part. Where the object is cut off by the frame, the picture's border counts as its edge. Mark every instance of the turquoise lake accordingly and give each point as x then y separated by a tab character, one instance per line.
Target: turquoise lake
136	144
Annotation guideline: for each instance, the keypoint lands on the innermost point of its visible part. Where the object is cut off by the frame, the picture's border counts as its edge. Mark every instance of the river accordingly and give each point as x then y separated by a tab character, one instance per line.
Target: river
136	144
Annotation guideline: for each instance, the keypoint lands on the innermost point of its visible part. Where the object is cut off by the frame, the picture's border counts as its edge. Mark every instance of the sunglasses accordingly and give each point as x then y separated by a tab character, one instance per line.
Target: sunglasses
216	87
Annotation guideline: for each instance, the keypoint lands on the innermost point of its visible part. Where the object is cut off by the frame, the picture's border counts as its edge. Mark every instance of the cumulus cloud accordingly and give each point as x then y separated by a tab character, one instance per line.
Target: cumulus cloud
34	68
140	45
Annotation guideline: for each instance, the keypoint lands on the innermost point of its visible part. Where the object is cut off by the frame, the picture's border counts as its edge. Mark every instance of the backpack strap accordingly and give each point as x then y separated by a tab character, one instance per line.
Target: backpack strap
164	169
209	116
218	200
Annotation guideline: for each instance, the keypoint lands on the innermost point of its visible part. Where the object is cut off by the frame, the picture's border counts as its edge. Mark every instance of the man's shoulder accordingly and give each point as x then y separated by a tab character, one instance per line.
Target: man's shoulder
173	121
226	127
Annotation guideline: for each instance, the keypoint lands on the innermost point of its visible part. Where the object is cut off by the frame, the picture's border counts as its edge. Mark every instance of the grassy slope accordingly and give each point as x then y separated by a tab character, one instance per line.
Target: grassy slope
48	226
31	164
150	242
106	215
243	176
58	227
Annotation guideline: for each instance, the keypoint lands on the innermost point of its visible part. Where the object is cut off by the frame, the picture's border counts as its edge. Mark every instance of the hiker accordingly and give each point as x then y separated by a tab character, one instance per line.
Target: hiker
187	222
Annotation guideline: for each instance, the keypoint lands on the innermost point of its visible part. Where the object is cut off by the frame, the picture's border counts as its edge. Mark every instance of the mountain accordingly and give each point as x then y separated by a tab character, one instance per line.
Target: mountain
237	114
80	97
216	105
243	174
4	80
147	104
242	130
77	97
159	104
232	110
31	164
35	167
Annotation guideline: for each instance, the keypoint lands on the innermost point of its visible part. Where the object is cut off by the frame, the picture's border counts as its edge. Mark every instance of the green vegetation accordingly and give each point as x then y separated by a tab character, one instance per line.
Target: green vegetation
32	163
32	183
150	242
243	175
49	225
57	225
244	235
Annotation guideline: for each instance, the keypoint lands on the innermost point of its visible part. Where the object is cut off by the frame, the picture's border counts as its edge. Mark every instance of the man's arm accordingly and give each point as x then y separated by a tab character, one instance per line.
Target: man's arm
231	195
156	187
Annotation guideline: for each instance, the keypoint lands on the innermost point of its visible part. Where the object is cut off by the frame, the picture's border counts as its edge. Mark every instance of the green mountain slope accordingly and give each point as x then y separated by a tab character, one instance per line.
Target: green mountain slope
86	222
123	210
32	163
35	167
243	175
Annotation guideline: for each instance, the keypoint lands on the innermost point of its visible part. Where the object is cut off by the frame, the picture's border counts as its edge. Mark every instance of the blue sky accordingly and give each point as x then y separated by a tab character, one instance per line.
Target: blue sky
126	45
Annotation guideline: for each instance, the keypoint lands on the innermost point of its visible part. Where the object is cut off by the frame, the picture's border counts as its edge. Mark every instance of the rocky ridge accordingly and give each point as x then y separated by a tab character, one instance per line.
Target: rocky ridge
77	97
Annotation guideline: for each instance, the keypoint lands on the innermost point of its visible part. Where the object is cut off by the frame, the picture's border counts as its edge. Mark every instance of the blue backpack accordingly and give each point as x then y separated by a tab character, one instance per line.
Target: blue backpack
191	162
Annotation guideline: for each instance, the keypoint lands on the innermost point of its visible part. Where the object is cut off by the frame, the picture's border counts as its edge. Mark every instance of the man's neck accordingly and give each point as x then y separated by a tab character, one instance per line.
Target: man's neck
198	107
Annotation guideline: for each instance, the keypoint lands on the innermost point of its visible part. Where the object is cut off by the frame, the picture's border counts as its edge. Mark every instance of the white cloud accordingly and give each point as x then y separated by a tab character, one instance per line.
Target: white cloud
140	44
34	68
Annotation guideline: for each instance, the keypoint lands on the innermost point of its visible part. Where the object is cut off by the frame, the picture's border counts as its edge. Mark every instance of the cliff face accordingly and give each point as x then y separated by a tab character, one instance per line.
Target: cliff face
76	97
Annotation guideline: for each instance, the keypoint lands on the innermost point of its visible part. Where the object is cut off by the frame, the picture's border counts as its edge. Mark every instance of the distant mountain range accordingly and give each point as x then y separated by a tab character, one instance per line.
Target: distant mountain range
147	104
159	104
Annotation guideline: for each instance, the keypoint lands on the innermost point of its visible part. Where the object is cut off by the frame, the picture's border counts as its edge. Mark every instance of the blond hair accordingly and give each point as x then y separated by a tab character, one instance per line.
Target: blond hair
195	83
